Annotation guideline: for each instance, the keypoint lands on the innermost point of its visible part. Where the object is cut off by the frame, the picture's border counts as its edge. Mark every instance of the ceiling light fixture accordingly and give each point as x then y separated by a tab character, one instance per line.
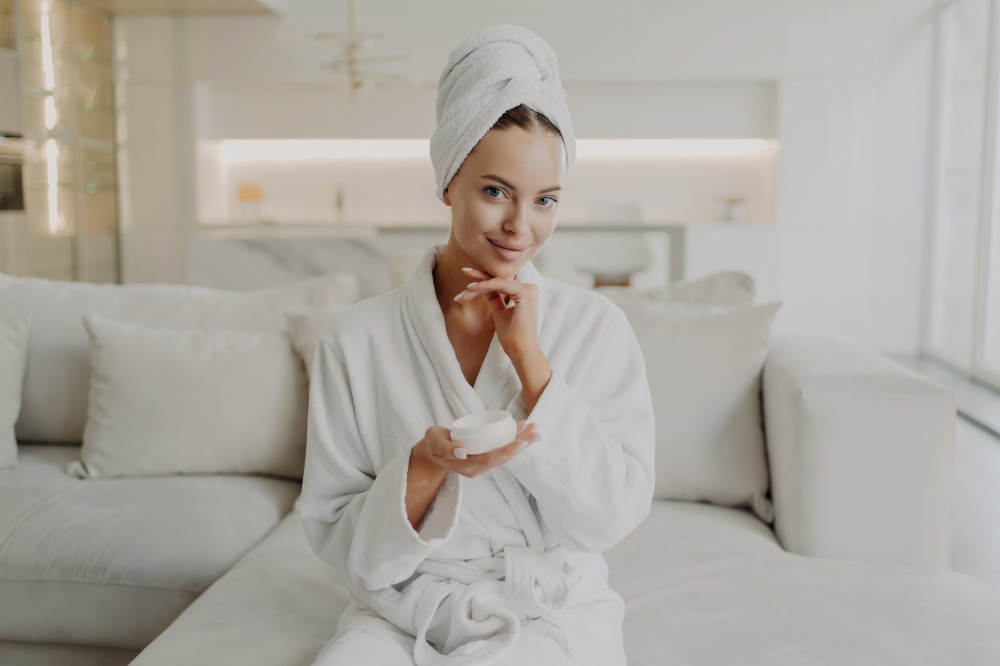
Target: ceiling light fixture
359	73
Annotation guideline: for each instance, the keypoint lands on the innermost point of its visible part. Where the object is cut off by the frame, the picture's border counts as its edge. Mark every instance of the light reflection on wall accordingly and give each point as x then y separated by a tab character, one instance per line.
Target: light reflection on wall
56	220
391	181
48	70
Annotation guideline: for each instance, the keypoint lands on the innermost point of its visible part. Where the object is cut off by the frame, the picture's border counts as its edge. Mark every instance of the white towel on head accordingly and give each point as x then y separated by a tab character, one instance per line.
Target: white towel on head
493	70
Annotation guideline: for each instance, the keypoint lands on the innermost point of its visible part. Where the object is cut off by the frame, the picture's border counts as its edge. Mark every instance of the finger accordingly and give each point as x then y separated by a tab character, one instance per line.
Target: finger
508	451
473	272
502	455
440	442
531	437
512	288
526	436
436	431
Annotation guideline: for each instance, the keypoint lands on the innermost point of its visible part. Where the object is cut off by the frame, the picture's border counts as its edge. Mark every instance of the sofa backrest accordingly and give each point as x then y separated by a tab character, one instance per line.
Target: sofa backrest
704	344
57	376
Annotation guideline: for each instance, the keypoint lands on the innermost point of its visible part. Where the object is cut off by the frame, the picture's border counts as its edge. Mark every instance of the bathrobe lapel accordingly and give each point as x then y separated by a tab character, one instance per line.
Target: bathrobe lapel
497	380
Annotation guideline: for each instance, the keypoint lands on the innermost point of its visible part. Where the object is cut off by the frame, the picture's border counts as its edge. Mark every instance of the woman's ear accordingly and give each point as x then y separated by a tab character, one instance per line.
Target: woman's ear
447	199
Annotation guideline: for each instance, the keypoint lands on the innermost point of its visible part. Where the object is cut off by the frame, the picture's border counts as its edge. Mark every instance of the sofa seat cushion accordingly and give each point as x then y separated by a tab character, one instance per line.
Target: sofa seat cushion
700	592
702	585
47	654
277	606
114	561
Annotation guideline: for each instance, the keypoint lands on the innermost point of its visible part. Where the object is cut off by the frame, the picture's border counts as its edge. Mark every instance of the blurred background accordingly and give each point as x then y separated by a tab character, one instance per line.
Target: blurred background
842	153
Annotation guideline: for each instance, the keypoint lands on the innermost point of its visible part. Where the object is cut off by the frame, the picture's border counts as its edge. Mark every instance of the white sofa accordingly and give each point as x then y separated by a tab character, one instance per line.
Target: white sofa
215	569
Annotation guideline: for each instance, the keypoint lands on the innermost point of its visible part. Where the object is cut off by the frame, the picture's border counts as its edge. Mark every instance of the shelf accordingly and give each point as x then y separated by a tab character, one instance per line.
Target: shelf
431	225
368	230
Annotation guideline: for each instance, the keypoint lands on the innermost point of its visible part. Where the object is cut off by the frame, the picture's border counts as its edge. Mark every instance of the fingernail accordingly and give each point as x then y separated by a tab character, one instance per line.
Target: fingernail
466	269
460	454
471	284
458	296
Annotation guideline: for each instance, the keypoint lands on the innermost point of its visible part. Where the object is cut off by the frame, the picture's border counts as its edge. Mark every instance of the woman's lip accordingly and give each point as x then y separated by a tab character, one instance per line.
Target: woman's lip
504	247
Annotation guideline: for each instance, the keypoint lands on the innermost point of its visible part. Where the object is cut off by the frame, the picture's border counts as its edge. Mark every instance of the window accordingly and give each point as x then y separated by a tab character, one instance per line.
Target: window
962	295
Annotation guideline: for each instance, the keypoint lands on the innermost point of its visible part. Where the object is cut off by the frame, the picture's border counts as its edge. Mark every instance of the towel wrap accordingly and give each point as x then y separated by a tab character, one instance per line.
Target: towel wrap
495	69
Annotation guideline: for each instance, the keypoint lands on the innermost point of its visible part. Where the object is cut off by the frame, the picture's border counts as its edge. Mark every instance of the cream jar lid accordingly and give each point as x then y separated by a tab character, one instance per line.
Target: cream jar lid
483	422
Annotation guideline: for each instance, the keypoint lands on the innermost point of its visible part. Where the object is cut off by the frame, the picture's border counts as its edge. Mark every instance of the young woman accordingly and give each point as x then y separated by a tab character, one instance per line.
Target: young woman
493	558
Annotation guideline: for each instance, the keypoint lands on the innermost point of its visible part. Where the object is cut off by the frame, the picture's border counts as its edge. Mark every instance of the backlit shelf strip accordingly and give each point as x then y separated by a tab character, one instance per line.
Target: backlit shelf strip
232	151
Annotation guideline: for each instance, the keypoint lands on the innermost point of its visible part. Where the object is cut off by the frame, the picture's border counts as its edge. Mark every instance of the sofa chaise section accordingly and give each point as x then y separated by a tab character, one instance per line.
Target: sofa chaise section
702	584
110	563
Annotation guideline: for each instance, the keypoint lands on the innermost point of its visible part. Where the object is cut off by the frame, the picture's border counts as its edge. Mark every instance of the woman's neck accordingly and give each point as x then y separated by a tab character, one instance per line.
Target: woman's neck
450	280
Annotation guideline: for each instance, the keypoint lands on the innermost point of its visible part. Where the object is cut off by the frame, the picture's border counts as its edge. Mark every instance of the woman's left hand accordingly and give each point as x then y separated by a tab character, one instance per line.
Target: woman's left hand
516	326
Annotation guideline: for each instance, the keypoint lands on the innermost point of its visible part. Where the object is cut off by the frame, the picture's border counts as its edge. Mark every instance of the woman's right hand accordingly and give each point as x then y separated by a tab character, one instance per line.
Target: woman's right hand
438	449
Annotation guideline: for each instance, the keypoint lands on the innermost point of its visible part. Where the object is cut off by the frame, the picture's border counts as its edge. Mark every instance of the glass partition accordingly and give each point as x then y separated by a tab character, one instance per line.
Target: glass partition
70	182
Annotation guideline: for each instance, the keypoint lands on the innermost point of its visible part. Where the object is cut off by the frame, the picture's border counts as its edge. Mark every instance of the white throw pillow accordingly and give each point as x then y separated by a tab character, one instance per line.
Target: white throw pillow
704	366
14	334
54	401
719	288
175	401
306	327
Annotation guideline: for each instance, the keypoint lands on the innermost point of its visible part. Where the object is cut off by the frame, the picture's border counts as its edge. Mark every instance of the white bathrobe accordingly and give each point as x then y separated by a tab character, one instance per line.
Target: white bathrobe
513	551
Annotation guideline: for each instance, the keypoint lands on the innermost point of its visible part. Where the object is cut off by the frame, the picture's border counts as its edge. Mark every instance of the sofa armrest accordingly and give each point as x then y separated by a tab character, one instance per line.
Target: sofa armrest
860	450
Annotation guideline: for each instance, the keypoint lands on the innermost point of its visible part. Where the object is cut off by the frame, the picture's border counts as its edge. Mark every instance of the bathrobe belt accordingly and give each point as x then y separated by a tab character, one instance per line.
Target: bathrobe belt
535	585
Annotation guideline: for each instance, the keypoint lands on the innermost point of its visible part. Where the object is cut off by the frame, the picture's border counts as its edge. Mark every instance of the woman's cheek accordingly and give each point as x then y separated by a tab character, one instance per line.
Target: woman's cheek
479	221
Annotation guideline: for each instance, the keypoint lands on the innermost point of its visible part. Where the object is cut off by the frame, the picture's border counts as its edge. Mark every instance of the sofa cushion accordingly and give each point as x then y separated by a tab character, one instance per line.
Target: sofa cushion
719	288
690	602
166	401
702	584
46	654
306	327
14	333
279	605
704	365
57	377
113	561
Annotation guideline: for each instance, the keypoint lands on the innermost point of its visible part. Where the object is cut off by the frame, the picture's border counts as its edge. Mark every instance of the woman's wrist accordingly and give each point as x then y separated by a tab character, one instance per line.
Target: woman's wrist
422	462
534	372
423	479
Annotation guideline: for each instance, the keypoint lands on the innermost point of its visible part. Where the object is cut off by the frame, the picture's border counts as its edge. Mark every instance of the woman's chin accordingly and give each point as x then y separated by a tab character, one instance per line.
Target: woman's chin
502	269
496	264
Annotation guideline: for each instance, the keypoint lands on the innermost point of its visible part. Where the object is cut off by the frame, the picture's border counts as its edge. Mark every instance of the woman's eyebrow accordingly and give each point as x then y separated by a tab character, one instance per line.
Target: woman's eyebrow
504	182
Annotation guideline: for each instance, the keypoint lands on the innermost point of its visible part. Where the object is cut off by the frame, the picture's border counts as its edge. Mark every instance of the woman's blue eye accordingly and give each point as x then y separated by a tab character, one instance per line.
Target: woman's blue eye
493	187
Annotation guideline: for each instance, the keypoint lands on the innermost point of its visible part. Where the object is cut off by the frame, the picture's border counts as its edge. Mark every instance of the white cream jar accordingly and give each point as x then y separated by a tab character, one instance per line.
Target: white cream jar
484	431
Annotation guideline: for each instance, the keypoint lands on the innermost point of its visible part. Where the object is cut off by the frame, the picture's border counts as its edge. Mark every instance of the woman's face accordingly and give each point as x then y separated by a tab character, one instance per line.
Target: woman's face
505	195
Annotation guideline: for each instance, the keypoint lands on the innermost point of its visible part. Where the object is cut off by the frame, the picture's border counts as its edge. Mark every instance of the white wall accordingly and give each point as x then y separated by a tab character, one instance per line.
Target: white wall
853	85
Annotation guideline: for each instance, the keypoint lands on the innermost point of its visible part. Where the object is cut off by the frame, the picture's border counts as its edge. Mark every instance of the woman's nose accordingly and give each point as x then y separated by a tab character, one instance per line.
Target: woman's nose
517	221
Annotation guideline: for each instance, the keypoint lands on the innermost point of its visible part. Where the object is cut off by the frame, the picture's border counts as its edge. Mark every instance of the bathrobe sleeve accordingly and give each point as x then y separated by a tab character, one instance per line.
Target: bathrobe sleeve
592	473
356	519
